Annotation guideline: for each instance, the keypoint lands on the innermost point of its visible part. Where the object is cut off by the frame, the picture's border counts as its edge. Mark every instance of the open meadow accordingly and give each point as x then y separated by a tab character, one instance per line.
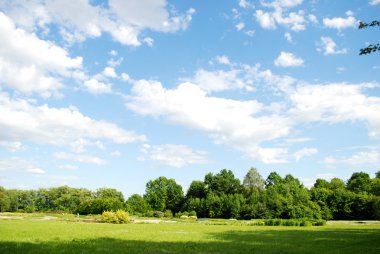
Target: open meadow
46	235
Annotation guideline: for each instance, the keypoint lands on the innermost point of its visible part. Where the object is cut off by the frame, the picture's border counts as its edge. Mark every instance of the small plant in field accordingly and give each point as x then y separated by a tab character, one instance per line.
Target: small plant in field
122	216
193	213
109	217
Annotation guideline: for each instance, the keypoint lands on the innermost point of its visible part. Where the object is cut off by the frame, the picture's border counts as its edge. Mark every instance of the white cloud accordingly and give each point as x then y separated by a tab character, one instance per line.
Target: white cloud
227	121
12	146
245	4
23	120
265	19
29	64
240	26
35	171
18	164
148	41
250	33
304	152
83	158
361	158
269	20
97	87
286	59
329	47
123	20
215	81
68	167
173	155
341	23
374	2
223	60
109	72
288	37
334	103
249	125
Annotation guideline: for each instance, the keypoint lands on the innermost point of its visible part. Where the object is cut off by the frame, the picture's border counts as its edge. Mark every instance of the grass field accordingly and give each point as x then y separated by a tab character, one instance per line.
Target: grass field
62	236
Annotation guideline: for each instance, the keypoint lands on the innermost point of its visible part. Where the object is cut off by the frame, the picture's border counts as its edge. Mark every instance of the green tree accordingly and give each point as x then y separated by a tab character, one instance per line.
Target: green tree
359	182
137	204
273	179
164	194
197	189
223	183
372	47
4	200
253	180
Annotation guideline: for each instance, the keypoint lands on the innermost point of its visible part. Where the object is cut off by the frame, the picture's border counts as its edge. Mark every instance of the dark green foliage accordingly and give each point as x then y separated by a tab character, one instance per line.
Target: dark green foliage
218	196
162	194
359	182
137	204
372	47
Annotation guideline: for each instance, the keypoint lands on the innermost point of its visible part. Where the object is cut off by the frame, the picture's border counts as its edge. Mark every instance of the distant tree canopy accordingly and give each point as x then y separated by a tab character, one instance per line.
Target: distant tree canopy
219	195
372	47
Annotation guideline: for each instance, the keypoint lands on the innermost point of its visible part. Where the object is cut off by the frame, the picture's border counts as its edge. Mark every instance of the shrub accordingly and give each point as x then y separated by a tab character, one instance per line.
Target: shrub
258	223
319	223
193	213
122	216
289	223
109	217
168	214
149	214
305	223
158	214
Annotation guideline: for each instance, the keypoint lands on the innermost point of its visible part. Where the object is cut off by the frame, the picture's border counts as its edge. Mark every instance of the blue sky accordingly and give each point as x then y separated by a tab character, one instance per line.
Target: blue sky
116	93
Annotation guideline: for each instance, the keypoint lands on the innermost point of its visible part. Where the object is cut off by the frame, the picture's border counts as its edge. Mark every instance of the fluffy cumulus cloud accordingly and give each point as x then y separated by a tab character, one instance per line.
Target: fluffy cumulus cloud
251	126
341	23
29	64
82	158
360	158
279	15
374	2
19	165
329	47
286	59
123	20
334	103
172	155
227	121
24	121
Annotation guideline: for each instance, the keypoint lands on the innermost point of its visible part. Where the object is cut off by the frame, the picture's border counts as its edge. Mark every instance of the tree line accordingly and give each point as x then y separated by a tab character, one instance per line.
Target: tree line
219	195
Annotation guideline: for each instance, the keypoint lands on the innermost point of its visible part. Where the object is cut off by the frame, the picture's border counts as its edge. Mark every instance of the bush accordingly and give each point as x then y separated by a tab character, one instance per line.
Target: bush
122	216
158	214
319	223
109	217
149	214
305	223
168	214
193	213
290	223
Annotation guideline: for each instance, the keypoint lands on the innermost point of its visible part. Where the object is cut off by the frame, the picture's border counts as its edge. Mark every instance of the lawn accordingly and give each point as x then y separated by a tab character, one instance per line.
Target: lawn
60	236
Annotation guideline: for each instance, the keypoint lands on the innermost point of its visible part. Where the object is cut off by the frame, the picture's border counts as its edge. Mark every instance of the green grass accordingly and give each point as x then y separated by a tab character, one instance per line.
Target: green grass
62	236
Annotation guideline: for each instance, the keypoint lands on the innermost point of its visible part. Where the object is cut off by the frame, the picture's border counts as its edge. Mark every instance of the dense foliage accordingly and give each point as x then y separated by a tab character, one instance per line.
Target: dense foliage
219	195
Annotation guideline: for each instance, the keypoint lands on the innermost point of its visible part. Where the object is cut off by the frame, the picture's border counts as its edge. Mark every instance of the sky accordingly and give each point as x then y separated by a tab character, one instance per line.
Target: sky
116	93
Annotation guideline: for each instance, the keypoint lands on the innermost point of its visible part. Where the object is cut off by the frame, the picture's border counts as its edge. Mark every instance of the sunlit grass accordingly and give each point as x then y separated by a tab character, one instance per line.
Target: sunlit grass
51	236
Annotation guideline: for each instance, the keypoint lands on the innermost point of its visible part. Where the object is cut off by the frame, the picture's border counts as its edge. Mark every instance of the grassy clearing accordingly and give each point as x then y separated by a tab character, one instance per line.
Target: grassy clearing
65	236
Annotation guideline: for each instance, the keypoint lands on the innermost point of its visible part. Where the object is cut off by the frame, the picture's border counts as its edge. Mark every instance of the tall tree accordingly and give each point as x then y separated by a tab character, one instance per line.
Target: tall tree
162	194
253	180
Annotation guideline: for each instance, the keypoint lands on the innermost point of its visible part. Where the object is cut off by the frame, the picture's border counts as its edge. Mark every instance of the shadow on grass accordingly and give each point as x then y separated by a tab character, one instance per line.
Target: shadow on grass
255	241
